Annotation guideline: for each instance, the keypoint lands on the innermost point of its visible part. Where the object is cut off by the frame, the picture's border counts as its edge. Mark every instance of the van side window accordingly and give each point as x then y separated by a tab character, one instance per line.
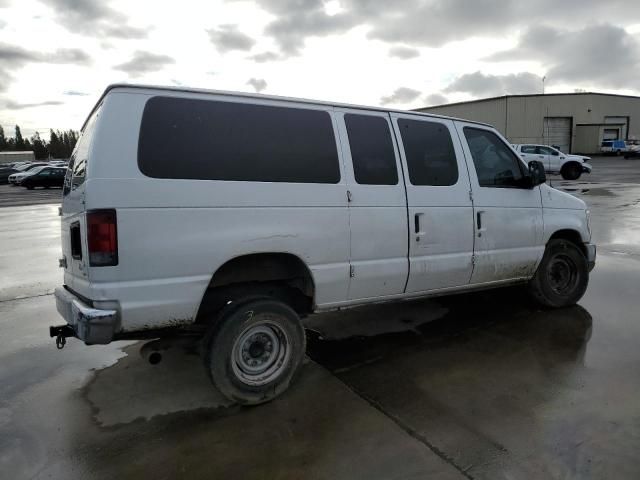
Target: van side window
214	140
78	162
428	148
374	161
496	165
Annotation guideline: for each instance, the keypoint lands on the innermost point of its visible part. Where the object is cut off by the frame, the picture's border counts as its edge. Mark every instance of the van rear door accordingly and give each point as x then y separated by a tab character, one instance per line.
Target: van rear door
73	222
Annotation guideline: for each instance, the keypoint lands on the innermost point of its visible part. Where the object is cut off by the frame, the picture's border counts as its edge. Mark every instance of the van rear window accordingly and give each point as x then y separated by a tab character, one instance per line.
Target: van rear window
211	140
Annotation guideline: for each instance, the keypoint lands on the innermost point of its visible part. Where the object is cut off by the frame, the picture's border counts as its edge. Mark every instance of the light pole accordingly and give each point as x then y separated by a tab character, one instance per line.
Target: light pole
543	79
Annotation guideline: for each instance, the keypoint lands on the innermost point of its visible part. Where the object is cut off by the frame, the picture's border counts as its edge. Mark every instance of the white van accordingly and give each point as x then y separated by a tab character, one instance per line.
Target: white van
232	216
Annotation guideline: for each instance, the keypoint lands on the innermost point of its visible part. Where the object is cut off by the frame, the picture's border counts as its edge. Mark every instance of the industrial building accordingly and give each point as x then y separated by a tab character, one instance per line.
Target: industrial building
7	157
575	122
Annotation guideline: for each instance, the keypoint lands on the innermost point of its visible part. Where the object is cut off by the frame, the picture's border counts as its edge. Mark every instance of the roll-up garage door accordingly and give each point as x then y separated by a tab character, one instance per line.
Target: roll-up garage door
557	131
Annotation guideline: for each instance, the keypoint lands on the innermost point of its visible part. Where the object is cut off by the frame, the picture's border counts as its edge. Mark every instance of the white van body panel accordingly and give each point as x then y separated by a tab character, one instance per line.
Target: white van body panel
378	225
509	244
441	249
357	241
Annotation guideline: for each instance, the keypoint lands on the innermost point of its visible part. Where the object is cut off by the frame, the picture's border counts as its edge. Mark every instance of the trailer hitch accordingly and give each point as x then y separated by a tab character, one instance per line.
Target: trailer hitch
61	332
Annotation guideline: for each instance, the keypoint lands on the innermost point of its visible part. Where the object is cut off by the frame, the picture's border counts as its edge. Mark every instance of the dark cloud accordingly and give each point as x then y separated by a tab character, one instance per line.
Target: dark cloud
259	84
228	37
12	55
5	80
13	58
598	54
435	99
75	93
482	85
93	18
11	105
401	95
431	22
265	57
405	53
144	62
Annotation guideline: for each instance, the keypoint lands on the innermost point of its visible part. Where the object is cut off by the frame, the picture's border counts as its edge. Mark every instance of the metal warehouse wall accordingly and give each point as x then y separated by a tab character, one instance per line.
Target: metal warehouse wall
521	118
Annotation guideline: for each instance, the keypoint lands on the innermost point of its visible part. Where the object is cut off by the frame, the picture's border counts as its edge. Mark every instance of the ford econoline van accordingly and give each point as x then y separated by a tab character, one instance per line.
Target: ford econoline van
232	216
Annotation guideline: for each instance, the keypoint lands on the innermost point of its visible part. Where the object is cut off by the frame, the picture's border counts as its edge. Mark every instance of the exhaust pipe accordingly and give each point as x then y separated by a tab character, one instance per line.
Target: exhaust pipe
150	351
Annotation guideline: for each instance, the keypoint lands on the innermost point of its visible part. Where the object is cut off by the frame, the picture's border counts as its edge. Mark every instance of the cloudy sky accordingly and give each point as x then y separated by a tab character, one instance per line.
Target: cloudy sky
56	56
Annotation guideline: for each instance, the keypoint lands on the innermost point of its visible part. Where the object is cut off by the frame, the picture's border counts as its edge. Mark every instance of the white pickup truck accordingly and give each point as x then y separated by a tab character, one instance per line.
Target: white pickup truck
232	216
571	167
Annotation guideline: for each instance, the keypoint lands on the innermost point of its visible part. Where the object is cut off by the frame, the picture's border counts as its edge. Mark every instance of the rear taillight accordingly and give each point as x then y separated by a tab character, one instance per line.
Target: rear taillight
102	238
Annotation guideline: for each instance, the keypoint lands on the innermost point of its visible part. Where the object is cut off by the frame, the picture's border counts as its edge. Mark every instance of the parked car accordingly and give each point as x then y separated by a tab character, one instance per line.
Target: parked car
617	147
571	167
17	178
46	177
23	171
231	216
5	172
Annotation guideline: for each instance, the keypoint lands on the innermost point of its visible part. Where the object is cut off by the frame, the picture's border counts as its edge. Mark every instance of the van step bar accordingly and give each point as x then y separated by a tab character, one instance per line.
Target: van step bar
61	332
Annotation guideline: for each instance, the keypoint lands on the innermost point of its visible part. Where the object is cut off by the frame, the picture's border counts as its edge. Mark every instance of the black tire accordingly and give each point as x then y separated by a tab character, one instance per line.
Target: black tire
263	331
29	187
571	171
562	276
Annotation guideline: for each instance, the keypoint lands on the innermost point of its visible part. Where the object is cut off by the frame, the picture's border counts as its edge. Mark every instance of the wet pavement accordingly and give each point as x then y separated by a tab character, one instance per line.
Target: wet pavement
482	385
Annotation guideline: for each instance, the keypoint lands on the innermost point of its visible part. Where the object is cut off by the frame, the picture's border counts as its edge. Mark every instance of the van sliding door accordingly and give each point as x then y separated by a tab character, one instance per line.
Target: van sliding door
377	204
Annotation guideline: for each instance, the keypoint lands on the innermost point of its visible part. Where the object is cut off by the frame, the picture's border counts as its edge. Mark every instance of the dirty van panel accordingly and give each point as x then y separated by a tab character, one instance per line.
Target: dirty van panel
73	209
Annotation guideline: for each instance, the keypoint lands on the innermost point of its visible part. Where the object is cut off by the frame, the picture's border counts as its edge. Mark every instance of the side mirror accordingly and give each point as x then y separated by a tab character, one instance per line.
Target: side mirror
536	173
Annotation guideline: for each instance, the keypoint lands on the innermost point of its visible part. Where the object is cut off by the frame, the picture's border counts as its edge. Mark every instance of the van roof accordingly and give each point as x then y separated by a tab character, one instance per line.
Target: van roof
266	97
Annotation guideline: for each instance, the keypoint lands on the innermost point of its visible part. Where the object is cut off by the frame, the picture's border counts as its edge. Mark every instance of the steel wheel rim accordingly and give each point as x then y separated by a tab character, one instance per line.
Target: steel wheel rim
562	274
260	353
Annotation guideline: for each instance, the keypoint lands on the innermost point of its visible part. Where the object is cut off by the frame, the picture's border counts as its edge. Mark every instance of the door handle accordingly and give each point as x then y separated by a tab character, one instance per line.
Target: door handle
479	223
417	227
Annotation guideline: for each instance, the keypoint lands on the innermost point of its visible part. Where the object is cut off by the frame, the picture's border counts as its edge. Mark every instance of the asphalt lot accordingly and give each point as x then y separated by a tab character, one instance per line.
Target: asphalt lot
477	386
13	196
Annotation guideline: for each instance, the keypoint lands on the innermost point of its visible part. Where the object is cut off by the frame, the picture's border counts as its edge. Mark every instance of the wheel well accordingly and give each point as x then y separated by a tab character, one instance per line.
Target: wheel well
571	236
280	275
570	163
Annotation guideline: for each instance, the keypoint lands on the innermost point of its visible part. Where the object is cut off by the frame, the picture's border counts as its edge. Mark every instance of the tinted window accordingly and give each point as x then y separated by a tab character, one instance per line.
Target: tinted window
210	140
431	158
372	153
528	149
496	165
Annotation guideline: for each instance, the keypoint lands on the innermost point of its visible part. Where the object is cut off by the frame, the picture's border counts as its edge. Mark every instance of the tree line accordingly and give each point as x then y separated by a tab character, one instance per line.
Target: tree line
60	144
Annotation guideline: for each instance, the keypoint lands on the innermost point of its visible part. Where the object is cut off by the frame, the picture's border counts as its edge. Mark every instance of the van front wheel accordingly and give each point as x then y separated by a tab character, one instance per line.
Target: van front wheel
254	349
562	276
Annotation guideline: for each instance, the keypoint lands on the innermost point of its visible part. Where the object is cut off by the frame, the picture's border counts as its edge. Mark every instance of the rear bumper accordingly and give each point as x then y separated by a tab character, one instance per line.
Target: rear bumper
91	325
591	255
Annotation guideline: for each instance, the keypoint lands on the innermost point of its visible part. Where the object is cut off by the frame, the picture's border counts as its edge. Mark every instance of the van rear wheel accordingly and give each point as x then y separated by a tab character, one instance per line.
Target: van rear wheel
254	349
562	276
